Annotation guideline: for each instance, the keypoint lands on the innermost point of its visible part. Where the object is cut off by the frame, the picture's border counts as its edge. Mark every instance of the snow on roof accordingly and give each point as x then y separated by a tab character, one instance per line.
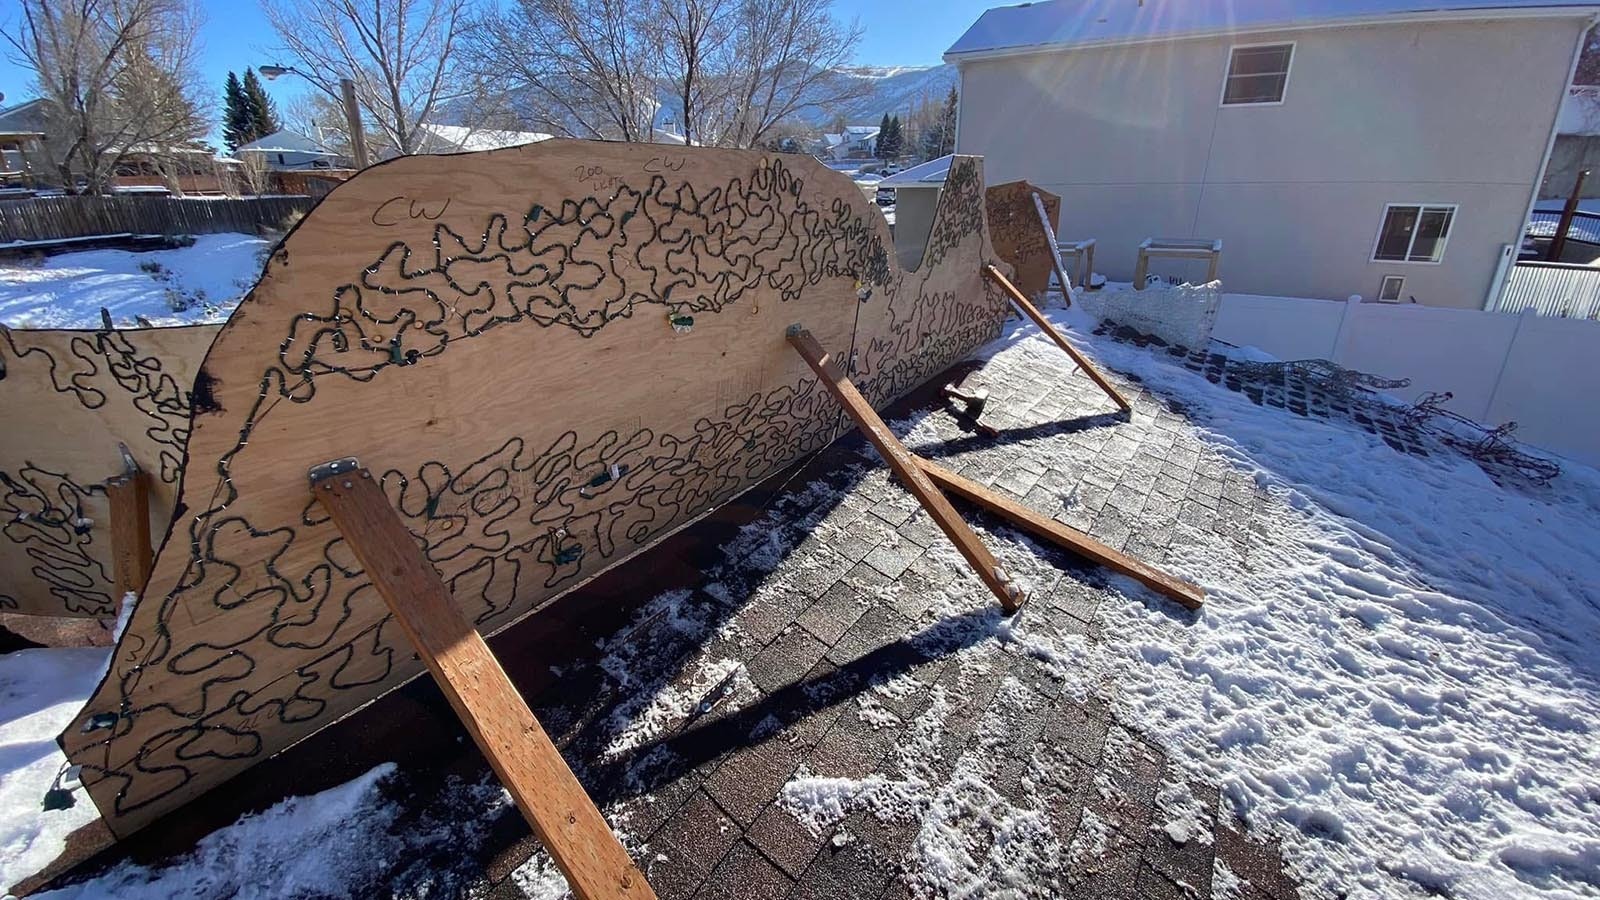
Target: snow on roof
285	142
861	130
929	174
1083	23
461	137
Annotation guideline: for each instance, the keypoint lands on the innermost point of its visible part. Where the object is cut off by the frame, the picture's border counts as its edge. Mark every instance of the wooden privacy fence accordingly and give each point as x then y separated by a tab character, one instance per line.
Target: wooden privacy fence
1552	289
54	218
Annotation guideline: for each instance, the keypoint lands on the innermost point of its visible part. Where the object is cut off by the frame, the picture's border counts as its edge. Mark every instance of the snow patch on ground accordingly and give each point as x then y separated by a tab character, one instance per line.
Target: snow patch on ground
352	840
68	290
40	693
303	846
971	839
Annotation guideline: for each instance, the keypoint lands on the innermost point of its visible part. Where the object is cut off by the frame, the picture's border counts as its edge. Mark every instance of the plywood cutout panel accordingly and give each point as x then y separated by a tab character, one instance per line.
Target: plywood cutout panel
68	400
1017	235
551	357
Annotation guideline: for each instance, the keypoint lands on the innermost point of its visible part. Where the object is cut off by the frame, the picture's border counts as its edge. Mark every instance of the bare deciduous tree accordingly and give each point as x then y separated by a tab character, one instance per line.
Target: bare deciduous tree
695	47
788	55
400	54
119	76
729	70
580	68
254	175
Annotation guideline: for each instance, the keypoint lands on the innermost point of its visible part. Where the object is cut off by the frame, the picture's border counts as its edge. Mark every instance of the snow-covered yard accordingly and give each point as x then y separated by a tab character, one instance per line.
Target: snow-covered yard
1395	673
200	283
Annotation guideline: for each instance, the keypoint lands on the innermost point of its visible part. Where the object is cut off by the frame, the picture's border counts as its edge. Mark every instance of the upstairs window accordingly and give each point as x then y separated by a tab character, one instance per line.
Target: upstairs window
1414	233
1257	74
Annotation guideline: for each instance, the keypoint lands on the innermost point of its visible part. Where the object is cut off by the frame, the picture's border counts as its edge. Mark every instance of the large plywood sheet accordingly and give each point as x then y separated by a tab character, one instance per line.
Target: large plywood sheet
493	335
68	399
1018	237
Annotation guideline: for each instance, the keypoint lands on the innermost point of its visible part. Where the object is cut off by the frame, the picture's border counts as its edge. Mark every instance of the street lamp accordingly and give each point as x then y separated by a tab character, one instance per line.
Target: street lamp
352	109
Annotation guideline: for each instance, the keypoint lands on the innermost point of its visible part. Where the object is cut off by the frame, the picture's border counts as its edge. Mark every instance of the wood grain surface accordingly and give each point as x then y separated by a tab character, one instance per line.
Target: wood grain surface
68	399
1017	236
550	357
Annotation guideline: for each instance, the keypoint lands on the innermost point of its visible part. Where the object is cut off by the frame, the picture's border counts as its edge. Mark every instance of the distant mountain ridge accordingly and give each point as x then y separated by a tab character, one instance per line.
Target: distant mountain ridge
895	90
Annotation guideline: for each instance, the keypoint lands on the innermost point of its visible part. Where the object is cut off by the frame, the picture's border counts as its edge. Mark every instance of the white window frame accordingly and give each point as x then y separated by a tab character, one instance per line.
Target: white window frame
1399	296
1227	69
1455	213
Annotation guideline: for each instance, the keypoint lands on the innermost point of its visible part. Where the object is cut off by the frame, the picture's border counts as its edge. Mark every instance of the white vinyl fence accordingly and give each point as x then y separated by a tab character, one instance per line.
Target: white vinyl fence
1541	372
1552	289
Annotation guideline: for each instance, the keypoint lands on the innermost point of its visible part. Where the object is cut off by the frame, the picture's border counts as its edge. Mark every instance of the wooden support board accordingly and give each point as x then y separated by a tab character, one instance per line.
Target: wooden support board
904	466
1042	214
68	400
1038	318
1177	248
1063	536
130	531
562	816
550	357
1015	233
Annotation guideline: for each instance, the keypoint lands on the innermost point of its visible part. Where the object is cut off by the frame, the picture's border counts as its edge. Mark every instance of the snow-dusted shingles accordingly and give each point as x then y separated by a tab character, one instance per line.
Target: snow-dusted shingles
1085	23
1394	674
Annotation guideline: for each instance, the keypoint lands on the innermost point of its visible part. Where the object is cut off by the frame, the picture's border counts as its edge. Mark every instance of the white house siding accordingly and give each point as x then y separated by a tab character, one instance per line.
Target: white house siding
1136	142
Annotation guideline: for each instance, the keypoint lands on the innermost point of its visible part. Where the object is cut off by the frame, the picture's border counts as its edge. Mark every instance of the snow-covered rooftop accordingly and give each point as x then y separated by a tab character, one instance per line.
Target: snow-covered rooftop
1084	23
929	174
1393	679
284	142
462	137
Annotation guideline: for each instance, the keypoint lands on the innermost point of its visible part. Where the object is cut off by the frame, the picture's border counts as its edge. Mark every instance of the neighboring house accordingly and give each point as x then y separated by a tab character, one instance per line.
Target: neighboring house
22	158
916	196
462	139
1387	148
855	142
288	151
191	168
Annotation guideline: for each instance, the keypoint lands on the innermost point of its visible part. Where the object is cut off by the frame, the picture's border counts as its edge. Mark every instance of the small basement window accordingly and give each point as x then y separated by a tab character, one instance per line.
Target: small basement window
1390	290
1257	74
1414	233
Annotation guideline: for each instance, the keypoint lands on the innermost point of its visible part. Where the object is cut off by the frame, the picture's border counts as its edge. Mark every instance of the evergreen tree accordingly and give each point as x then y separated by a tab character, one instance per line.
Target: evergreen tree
895	141
881	145
235	114
932	145
263	115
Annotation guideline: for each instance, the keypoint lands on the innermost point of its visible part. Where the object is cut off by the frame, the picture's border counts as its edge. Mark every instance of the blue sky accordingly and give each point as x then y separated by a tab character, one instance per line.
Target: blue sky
236	35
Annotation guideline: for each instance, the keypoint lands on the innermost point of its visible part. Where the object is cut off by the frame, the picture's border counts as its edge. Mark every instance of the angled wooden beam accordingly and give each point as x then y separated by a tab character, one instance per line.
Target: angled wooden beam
563	817
904	465
1064	536
1038	318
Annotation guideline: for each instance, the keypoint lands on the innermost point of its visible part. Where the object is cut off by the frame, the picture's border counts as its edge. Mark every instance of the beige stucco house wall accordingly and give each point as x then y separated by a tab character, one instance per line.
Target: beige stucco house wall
1137	143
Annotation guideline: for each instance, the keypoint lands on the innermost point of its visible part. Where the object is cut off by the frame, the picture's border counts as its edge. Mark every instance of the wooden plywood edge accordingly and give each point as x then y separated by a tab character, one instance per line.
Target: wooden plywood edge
911	325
